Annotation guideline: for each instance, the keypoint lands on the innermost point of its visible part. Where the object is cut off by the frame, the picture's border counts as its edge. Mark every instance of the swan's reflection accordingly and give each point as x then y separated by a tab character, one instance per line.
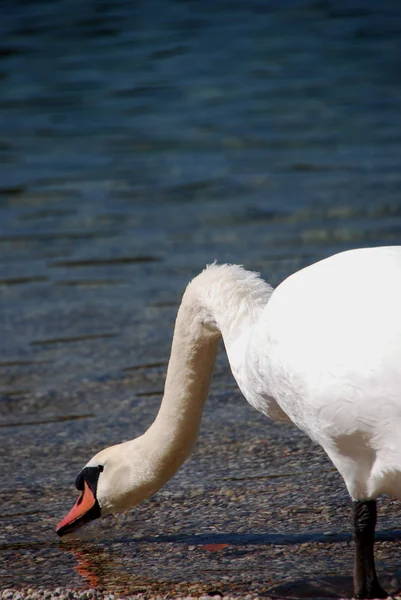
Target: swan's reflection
85	568
88	565
100	567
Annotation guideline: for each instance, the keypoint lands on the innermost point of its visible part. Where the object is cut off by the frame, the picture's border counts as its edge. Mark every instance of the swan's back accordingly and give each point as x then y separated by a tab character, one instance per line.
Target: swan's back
350	304
329	344
351	301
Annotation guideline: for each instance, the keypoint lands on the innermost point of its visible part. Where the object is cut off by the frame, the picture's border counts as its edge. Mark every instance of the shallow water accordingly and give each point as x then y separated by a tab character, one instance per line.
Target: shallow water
140	141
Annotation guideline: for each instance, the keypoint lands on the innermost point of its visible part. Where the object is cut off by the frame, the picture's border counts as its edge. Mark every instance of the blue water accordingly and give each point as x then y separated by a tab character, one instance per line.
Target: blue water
140	141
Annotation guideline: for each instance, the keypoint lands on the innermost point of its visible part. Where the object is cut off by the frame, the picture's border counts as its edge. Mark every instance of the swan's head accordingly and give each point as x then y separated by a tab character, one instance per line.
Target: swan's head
114	480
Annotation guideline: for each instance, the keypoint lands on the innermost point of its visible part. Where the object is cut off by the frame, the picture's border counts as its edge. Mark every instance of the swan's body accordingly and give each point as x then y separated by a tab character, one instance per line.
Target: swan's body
323	351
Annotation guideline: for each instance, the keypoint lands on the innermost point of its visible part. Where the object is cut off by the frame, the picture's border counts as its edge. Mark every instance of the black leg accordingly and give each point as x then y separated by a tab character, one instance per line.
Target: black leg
366	584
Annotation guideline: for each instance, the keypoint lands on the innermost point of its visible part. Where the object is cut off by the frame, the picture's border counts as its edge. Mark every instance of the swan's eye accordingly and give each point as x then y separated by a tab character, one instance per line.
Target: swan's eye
100	468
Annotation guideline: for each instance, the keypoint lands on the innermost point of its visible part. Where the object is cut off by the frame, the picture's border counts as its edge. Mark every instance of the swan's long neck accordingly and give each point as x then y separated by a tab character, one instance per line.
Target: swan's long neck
222	300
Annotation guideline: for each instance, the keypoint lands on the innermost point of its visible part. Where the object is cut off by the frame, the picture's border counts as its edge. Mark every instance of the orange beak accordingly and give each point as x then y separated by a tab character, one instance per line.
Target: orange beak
86	508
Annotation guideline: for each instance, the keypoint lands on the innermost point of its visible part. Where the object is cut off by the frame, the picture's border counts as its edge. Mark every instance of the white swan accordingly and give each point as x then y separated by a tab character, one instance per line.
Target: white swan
323	351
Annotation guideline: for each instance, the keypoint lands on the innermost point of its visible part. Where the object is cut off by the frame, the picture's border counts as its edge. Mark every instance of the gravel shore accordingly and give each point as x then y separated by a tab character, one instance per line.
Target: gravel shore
92	594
